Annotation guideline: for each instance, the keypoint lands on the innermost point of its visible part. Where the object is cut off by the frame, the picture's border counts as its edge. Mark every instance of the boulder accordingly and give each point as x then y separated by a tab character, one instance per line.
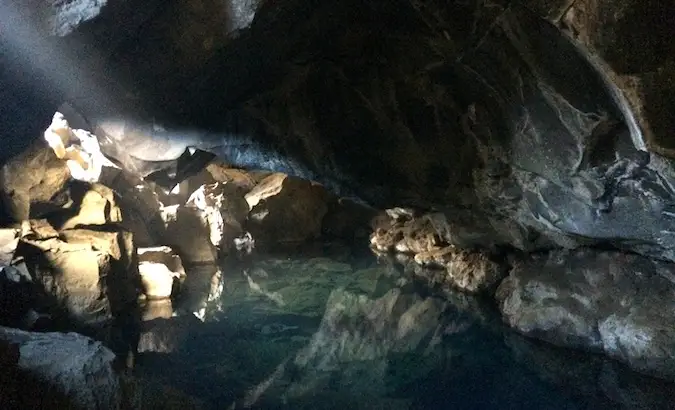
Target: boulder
286	210
602	301
9	240
86	276
161	271
29	181
217	171
90	205
60	370
405	233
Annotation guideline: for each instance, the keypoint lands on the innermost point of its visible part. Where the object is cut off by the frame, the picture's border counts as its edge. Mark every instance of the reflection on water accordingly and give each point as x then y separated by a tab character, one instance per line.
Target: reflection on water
335	330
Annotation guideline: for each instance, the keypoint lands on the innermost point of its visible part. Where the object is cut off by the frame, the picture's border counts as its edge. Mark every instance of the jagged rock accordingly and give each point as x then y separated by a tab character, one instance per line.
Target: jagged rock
188	232
600	301
404	234
30	180
87	276
286	210
161	270
90	205
61	370
219	172
140	205
469	270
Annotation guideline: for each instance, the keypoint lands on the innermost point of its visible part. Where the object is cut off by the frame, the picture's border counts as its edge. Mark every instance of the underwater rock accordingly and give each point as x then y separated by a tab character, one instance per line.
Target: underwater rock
602	301
165	335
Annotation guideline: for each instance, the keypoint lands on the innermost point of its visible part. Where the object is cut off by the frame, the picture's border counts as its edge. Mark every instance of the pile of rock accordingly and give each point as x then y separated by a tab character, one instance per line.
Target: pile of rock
420	243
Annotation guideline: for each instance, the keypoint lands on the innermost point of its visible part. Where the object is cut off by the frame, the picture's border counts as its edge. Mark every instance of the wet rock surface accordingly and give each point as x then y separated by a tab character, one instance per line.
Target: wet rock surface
609	302
418	242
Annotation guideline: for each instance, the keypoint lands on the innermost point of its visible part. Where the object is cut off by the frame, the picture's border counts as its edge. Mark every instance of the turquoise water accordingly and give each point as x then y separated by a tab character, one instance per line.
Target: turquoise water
331	328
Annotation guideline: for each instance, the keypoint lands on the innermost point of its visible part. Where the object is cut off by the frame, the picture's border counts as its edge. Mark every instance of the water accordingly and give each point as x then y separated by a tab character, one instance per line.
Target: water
336	329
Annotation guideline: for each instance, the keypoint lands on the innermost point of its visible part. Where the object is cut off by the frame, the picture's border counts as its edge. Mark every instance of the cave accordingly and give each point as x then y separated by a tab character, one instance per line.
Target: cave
305	204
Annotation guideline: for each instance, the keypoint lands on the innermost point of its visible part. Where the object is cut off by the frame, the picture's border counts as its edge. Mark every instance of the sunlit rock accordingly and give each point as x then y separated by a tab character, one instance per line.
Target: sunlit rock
78	148
217	171
30	180
9	240
66	370
286	210
188	232
601	301
92	204
89	276
161	271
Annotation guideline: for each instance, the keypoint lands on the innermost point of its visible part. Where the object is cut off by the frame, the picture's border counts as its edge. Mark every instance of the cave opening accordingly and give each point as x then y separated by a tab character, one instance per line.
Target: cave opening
304	204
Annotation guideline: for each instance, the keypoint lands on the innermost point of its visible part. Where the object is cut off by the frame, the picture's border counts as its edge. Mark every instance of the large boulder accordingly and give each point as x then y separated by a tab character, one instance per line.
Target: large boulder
602	301
60	370
86	276
29	182
286	210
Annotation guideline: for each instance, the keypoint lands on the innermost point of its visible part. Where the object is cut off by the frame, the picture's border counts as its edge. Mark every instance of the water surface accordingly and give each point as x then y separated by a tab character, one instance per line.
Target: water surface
334	328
